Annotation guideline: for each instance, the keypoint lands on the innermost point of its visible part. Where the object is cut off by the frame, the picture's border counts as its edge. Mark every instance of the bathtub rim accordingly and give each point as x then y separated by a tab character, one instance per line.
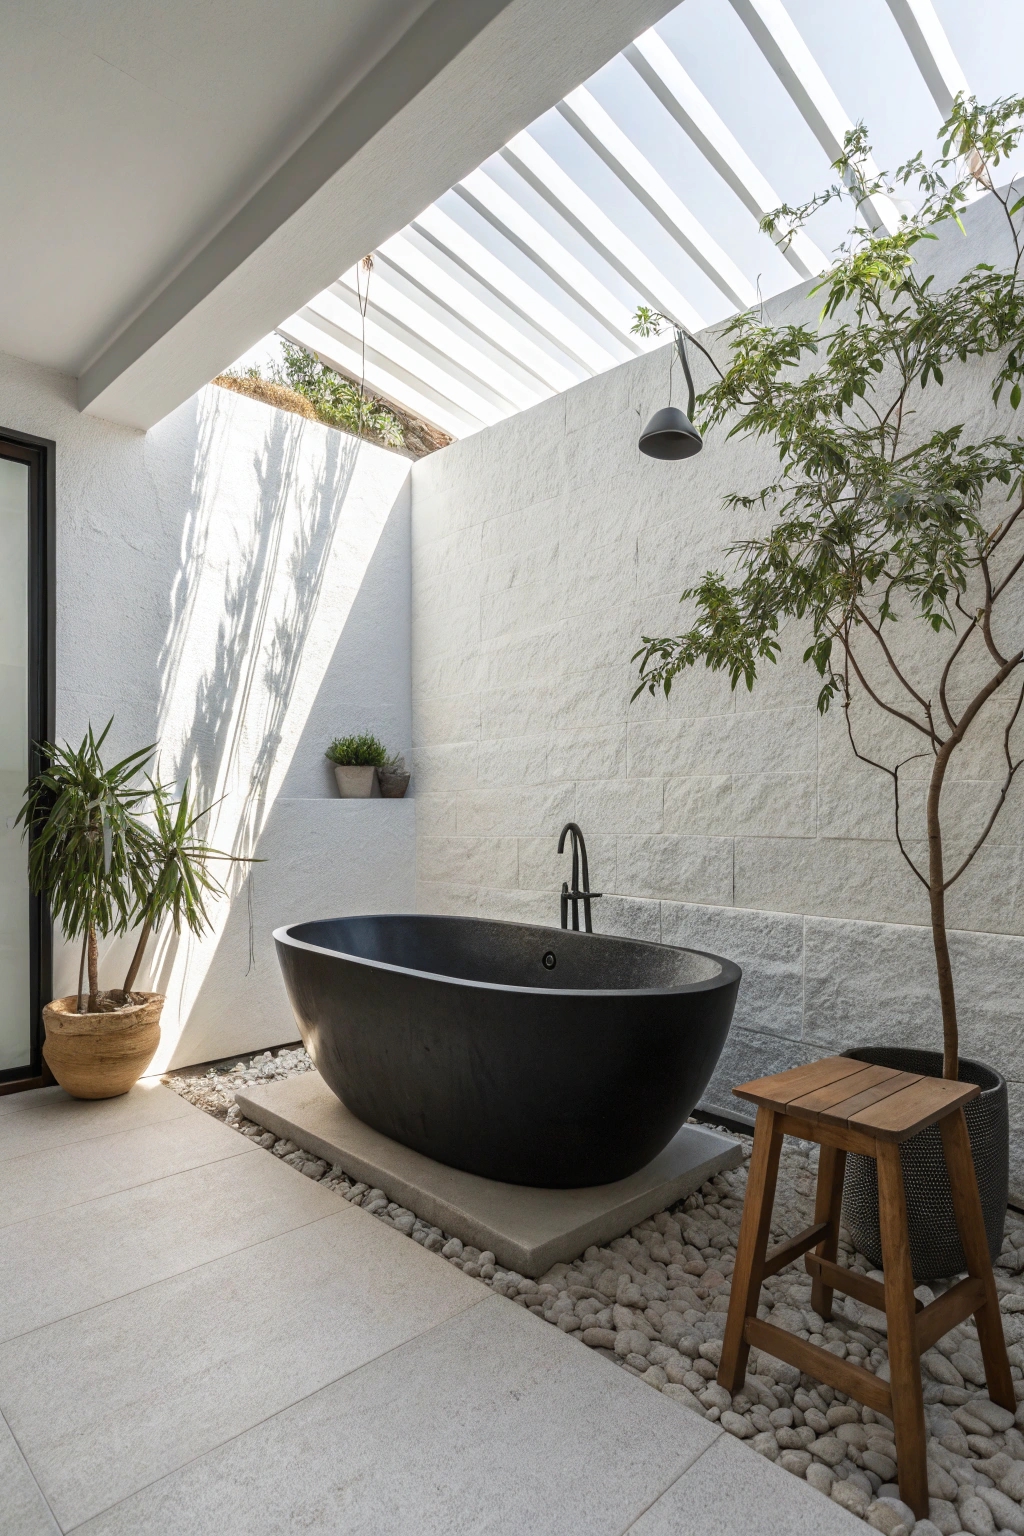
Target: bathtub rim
729	972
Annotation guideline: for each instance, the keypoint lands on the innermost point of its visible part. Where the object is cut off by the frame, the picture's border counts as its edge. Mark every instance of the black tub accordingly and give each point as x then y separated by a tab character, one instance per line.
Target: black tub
525	1054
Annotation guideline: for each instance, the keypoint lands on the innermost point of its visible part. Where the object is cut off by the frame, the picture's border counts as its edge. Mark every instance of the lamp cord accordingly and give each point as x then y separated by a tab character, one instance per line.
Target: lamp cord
691	394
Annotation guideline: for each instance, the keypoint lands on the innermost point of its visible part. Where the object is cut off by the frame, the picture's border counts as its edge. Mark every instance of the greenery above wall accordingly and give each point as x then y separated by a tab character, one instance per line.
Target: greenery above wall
336	401
876	517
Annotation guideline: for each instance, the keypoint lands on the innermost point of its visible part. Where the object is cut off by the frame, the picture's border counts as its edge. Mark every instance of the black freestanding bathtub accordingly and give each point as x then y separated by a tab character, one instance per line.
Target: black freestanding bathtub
526	1054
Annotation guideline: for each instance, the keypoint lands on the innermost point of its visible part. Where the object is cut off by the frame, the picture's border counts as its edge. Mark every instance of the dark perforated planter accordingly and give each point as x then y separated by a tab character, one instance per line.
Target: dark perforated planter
934	1243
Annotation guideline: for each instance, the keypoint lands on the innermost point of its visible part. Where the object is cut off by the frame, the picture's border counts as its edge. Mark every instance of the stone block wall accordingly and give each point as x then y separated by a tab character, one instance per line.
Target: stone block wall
543	549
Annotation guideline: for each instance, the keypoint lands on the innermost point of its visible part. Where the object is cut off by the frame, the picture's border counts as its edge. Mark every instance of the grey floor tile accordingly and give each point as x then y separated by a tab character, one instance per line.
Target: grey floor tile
732	1491
48	1180
492	1422
56	1265
108	1401
23	1510
43	1118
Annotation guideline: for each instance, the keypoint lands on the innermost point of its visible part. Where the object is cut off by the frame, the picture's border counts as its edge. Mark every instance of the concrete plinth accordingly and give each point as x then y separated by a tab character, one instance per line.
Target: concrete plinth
526	1229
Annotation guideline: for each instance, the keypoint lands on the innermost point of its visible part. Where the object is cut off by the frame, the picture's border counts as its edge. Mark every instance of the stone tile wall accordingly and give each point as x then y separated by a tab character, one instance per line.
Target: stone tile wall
543	549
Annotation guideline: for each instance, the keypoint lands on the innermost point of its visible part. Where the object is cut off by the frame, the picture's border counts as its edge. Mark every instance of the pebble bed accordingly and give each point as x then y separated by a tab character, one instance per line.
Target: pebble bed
654	1303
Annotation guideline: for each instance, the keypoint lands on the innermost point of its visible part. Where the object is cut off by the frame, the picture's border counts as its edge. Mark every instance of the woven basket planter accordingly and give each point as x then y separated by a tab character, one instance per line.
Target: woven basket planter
101	1055
934	1241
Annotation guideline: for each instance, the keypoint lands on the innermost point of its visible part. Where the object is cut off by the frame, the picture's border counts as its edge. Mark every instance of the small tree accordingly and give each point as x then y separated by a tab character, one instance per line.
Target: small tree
874	516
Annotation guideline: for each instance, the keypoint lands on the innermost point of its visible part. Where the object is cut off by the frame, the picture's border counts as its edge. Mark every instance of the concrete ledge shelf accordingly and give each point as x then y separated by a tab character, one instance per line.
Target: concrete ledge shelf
526	1229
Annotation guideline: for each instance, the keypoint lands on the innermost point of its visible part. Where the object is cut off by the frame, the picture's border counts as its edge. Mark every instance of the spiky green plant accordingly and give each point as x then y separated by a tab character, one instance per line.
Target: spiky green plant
110	849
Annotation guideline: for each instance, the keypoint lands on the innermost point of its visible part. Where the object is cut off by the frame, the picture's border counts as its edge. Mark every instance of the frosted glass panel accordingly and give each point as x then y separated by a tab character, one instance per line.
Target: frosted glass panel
15	1018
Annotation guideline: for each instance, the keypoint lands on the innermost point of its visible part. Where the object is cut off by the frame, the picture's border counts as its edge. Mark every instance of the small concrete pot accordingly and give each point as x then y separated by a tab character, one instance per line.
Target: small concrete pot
357	783
393	783
101	1055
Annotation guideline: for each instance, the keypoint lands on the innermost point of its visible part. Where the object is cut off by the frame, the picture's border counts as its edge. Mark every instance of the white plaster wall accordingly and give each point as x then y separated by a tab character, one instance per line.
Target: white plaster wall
234	585
543	548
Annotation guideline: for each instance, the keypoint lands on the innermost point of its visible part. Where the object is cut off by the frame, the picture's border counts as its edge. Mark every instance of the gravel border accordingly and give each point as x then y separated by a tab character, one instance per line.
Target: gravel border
654	1303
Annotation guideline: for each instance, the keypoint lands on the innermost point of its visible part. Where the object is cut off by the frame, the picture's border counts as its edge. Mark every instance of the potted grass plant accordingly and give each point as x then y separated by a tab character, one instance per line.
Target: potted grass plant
891	533
111	849
356	761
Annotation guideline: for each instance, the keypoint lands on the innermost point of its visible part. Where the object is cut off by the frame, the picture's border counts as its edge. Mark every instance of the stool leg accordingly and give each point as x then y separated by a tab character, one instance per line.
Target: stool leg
750	1250
904	1354
828	1202
970	1223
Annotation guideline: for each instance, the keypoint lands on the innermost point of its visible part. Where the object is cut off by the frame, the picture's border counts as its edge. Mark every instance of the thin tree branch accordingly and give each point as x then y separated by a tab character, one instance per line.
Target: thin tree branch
877	632
1011	769
889	708
883	768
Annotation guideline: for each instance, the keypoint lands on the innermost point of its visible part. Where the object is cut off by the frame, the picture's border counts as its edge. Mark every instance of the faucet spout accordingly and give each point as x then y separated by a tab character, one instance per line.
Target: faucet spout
576	893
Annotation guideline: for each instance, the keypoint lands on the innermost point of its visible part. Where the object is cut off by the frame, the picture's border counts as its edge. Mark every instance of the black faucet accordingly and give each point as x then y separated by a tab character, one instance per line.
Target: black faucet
576	894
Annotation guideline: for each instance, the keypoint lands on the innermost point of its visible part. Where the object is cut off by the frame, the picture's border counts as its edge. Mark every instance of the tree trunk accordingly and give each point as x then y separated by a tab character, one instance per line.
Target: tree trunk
937	902
81	973
94	967
140	950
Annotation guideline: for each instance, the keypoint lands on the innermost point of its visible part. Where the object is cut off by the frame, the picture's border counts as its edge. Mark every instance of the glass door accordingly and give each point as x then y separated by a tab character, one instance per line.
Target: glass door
26	467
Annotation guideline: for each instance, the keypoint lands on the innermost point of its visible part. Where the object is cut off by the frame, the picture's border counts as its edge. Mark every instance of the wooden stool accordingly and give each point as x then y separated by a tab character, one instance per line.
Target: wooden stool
848	1106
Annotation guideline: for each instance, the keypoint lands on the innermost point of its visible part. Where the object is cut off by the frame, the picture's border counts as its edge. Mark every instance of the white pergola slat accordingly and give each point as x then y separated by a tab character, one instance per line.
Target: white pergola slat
527	301
421	322
400	254
521	229
528	284
612	244
932	53
772	29
662	72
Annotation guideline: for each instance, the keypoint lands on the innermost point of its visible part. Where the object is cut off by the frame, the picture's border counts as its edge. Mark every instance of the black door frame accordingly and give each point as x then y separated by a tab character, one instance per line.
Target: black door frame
39	453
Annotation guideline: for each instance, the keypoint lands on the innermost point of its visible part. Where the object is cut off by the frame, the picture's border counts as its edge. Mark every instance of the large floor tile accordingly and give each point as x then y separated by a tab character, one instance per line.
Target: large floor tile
731	1491
56	1265
107	1402
23	1510
51	1180
43	1118
491	1422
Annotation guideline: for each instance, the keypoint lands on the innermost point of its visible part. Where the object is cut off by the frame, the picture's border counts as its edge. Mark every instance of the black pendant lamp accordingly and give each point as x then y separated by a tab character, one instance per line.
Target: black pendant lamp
669	434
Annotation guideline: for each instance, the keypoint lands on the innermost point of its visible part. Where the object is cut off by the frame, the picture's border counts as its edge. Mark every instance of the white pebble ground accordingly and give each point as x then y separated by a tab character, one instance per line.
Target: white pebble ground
654	1303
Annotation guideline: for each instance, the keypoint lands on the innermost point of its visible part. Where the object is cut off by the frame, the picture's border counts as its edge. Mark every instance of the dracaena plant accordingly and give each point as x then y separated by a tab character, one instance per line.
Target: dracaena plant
111	849
876	518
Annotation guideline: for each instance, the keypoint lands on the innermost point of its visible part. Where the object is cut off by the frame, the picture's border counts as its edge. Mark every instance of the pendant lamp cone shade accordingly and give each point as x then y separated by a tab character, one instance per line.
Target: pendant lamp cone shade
670	435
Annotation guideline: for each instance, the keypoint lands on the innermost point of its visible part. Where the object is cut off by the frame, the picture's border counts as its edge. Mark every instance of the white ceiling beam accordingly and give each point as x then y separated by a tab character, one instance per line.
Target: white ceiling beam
932	51
343	350
547	178
430	273
483	194
463	248
663	74
391	340
386	299
453	88
772	29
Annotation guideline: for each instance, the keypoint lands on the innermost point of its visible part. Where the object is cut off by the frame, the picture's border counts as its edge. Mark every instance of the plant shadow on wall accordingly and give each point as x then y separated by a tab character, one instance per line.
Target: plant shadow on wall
895	542
232	739
246	593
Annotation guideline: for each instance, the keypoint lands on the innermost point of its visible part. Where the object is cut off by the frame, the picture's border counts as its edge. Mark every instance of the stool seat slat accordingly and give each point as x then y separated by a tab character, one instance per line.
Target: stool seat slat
777	1090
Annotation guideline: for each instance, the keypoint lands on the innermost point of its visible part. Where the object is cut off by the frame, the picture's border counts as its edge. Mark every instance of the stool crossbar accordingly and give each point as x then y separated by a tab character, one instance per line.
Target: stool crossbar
850	1106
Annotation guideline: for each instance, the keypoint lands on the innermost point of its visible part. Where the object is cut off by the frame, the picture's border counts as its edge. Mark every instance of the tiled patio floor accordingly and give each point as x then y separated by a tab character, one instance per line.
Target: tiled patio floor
194	1338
